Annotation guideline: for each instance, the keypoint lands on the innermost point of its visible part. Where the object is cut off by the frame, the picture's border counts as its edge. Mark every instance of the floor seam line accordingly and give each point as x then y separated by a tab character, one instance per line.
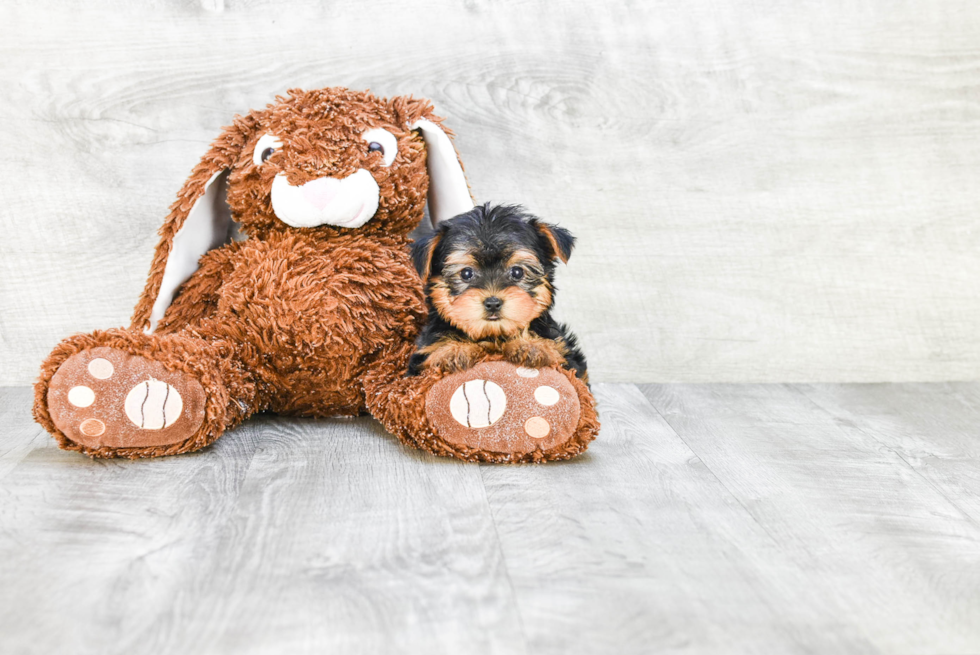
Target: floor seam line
706	466
503	558
892	449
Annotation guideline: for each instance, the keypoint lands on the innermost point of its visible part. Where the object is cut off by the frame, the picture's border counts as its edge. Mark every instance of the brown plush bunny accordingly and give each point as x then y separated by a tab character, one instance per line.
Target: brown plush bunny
282	282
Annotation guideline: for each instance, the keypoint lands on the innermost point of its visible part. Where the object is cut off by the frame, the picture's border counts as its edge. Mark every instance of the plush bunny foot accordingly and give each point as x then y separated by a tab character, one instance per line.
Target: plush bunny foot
106	397
499	412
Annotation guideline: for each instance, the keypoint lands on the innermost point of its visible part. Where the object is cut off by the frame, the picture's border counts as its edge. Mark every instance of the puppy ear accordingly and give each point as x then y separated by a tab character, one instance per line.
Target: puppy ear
449	194
422	251
560	241
199	221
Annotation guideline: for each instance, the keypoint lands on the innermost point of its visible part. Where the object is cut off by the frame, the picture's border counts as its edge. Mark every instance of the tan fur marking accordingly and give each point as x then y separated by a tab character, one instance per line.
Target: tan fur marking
534	352
546	231
523	257
465	311
461	259
452	355
520	307
427	271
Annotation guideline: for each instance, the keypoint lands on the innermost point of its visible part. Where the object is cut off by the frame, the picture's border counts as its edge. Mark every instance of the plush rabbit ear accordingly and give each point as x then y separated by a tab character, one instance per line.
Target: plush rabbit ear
199	221
448	192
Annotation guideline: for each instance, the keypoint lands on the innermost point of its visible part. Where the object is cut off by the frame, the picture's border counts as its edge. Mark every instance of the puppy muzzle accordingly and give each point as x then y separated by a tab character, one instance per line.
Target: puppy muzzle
491	308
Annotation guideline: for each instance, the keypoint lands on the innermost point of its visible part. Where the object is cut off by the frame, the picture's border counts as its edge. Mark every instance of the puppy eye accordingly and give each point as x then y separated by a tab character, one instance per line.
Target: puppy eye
383	141
466	274
265	147
516	273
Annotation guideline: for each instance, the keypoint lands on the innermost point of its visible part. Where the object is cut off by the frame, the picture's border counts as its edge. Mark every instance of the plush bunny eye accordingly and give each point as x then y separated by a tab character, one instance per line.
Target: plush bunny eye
383	141
266	145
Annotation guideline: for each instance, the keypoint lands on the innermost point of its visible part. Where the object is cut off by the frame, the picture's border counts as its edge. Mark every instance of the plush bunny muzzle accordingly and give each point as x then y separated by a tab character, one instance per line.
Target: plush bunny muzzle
344	202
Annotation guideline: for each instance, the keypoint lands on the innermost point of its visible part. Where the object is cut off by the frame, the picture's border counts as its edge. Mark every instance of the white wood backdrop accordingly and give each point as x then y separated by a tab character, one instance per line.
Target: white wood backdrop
762	190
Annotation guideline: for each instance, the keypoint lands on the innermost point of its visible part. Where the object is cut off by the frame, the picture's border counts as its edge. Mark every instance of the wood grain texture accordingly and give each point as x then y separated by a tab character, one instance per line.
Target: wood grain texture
637	547
705	519
897	556
763	190
20	433
286	536
935	428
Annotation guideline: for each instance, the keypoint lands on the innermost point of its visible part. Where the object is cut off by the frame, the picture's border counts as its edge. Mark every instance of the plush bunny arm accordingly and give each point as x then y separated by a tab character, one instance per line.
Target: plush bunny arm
198	297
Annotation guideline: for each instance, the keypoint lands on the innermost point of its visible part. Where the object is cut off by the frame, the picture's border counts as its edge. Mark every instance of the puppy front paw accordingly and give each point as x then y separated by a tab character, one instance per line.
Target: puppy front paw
533	352
453	356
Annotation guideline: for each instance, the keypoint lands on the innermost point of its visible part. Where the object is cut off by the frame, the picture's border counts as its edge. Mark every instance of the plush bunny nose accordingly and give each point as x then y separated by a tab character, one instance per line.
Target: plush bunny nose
321	191
493	304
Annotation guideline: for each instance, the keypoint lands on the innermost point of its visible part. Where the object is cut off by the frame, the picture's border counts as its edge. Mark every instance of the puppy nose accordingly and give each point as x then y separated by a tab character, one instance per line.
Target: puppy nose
493	304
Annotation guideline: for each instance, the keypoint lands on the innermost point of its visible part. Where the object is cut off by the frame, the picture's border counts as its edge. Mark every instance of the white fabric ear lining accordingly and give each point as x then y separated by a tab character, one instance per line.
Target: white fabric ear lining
208	225
448	193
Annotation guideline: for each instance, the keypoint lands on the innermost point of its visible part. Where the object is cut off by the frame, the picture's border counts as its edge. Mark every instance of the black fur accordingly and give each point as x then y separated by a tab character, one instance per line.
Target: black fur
491	234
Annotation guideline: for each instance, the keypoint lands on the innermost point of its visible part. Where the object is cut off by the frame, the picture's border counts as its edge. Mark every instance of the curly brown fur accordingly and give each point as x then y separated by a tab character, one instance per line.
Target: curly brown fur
535	352
489	277
289	320
450	354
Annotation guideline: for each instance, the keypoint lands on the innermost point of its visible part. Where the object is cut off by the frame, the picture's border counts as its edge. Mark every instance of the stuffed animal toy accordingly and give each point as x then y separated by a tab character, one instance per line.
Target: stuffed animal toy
282	282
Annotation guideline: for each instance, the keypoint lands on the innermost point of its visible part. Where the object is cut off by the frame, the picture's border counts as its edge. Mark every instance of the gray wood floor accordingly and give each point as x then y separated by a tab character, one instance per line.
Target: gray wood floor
706	518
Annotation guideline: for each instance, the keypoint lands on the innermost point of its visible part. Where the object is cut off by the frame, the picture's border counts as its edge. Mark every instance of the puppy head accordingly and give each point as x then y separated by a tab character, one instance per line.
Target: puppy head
489	272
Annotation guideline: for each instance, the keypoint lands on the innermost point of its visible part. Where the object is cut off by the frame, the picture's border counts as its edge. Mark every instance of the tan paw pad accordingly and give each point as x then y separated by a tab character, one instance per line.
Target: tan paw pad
537	427
92	427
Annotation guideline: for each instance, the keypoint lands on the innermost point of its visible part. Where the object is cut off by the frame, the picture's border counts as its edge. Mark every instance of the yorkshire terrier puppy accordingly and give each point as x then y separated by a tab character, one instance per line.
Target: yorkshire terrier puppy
488	278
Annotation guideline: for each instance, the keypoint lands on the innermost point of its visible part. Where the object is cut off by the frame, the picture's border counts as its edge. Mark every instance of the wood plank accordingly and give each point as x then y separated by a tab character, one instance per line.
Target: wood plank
95	552
762	191
636	547
705	519
902	561
345	541
20	434
934	427
285	536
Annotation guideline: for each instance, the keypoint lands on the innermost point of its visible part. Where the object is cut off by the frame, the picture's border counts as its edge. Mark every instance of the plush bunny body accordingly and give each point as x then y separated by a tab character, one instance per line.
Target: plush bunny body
282	282
306	317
